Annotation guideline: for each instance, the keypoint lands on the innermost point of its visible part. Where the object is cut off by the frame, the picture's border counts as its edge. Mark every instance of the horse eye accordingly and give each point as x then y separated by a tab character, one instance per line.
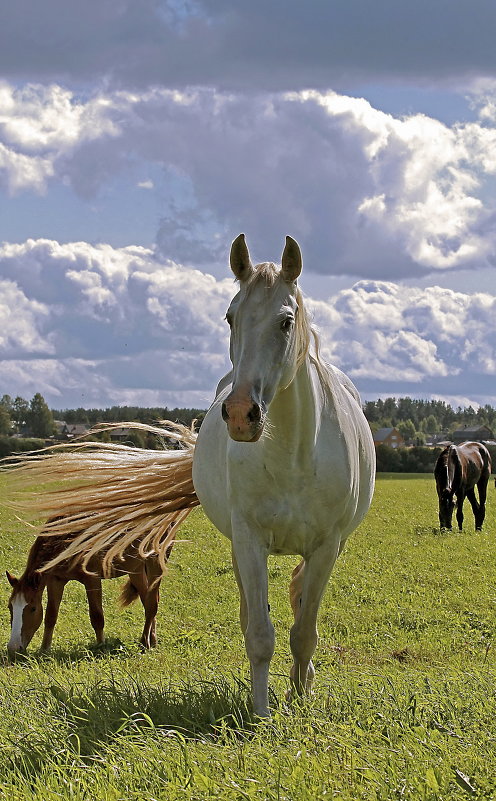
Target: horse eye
286	323
33	609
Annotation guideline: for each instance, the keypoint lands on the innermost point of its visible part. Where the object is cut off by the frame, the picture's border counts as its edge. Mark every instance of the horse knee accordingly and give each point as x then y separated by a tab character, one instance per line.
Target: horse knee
260	642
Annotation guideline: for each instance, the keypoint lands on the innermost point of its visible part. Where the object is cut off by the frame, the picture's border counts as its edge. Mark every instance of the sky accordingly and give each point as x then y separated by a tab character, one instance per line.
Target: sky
138	139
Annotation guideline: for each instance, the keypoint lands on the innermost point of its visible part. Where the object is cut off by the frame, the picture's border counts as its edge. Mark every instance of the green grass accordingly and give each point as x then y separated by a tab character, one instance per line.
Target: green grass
405	693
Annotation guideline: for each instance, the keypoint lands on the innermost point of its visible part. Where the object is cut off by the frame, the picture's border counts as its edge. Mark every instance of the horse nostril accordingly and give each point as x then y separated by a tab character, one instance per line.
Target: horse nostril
224	412
255	414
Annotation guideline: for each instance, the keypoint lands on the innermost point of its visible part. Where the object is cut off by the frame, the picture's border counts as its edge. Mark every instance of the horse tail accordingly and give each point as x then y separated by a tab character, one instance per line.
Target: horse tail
129	594
104	497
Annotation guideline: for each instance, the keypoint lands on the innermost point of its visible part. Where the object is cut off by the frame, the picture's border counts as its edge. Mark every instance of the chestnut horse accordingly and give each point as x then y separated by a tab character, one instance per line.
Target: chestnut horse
25	602
458	471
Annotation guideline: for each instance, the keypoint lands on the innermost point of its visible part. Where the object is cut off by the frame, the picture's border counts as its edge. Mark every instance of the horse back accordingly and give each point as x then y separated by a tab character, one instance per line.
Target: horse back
476	460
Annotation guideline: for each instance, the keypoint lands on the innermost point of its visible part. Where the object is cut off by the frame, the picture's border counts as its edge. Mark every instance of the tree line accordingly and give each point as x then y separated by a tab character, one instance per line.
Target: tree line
25	425
417	419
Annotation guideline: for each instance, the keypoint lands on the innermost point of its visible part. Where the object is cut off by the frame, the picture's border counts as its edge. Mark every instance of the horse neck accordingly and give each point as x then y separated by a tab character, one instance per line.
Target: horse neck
42	551
292	416
454	469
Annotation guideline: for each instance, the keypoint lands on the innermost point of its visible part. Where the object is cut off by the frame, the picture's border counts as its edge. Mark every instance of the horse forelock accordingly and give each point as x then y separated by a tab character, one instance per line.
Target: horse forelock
267	275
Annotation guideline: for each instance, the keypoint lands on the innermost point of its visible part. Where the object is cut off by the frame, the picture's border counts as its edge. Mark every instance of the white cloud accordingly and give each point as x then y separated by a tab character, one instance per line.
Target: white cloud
116	322
96	325
386	332
21	322
364	192
40	125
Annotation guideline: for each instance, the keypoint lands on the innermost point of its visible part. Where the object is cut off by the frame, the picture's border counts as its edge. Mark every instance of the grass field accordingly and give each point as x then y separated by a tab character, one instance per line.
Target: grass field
405	693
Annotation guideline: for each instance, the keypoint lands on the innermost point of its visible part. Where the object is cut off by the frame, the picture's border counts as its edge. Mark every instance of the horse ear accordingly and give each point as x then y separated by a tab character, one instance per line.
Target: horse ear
13	581
240	259
291	260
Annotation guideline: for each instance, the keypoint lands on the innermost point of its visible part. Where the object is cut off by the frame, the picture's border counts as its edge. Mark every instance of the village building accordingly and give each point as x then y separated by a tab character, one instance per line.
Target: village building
390	437
472	434
65	430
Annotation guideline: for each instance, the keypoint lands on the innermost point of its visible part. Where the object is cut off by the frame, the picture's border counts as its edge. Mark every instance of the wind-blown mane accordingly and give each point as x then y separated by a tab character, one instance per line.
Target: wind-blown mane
107	496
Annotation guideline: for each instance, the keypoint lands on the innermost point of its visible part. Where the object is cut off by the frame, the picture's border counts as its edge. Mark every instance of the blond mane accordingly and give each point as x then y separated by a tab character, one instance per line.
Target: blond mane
106	496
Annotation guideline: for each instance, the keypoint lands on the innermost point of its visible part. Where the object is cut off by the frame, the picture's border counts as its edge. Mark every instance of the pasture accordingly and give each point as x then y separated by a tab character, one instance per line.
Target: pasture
405	691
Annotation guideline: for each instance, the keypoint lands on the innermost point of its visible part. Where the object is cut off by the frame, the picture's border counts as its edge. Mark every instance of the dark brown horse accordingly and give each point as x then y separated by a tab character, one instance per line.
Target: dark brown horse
459	469
25	602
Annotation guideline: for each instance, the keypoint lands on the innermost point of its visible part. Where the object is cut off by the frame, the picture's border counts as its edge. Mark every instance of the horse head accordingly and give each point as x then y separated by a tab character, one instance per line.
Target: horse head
26	609
446	506
263	318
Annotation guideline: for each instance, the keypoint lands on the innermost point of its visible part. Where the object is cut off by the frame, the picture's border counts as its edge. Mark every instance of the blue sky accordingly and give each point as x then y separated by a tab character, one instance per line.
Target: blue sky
138	139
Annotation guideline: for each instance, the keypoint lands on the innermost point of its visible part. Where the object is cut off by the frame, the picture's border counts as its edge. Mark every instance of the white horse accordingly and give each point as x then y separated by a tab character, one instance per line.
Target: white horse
284	462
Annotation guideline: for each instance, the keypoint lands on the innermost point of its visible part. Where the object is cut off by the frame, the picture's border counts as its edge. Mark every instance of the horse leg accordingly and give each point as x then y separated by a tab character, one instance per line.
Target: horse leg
243	609
475	505
459	509
307	588
138	577
55	590
482	487
150	602
250	558
93	587
295	592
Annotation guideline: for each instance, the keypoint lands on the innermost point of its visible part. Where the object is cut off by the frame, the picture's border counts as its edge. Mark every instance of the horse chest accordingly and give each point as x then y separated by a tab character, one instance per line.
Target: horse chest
286	507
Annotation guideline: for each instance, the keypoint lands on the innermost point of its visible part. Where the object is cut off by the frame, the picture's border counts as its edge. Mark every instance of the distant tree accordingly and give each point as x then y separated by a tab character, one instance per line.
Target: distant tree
407	430
371	412
20	412
5	421
40	418
431	425
7	402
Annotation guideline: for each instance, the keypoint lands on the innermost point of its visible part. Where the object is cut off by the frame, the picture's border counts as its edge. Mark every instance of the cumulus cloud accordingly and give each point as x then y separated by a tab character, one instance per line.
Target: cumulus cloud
96	325
116	323
411	337
364	192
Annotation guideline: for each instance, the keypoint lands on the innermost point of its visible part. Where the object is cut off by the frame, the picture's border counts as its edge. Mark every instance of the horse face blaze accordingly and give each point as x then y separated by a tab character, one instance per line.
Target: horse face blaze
26	614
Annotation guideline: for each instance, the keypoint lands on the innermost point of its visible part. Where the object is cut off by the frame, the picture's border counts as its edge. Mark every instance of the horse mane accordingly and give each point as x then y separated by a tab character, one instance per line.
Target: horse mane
450	454
102	496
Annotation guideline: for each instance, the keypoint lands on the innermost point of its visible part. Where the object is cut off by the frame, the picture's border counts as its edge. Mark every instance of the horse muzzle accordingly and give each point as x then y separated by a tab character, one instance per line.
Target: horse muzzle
244	418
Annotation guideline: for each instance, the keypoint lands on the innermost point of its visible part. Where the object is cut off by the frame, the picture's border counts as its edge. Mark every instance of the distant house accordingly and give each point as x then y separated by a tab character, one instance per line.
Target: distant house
390	437
65	430
472	434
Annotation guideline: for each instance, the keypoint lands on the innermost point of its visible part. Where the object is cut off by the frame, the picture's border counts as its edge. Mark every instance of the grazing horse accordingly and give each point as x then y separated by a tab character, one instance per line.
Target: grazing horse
284	463
25	602
459	469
